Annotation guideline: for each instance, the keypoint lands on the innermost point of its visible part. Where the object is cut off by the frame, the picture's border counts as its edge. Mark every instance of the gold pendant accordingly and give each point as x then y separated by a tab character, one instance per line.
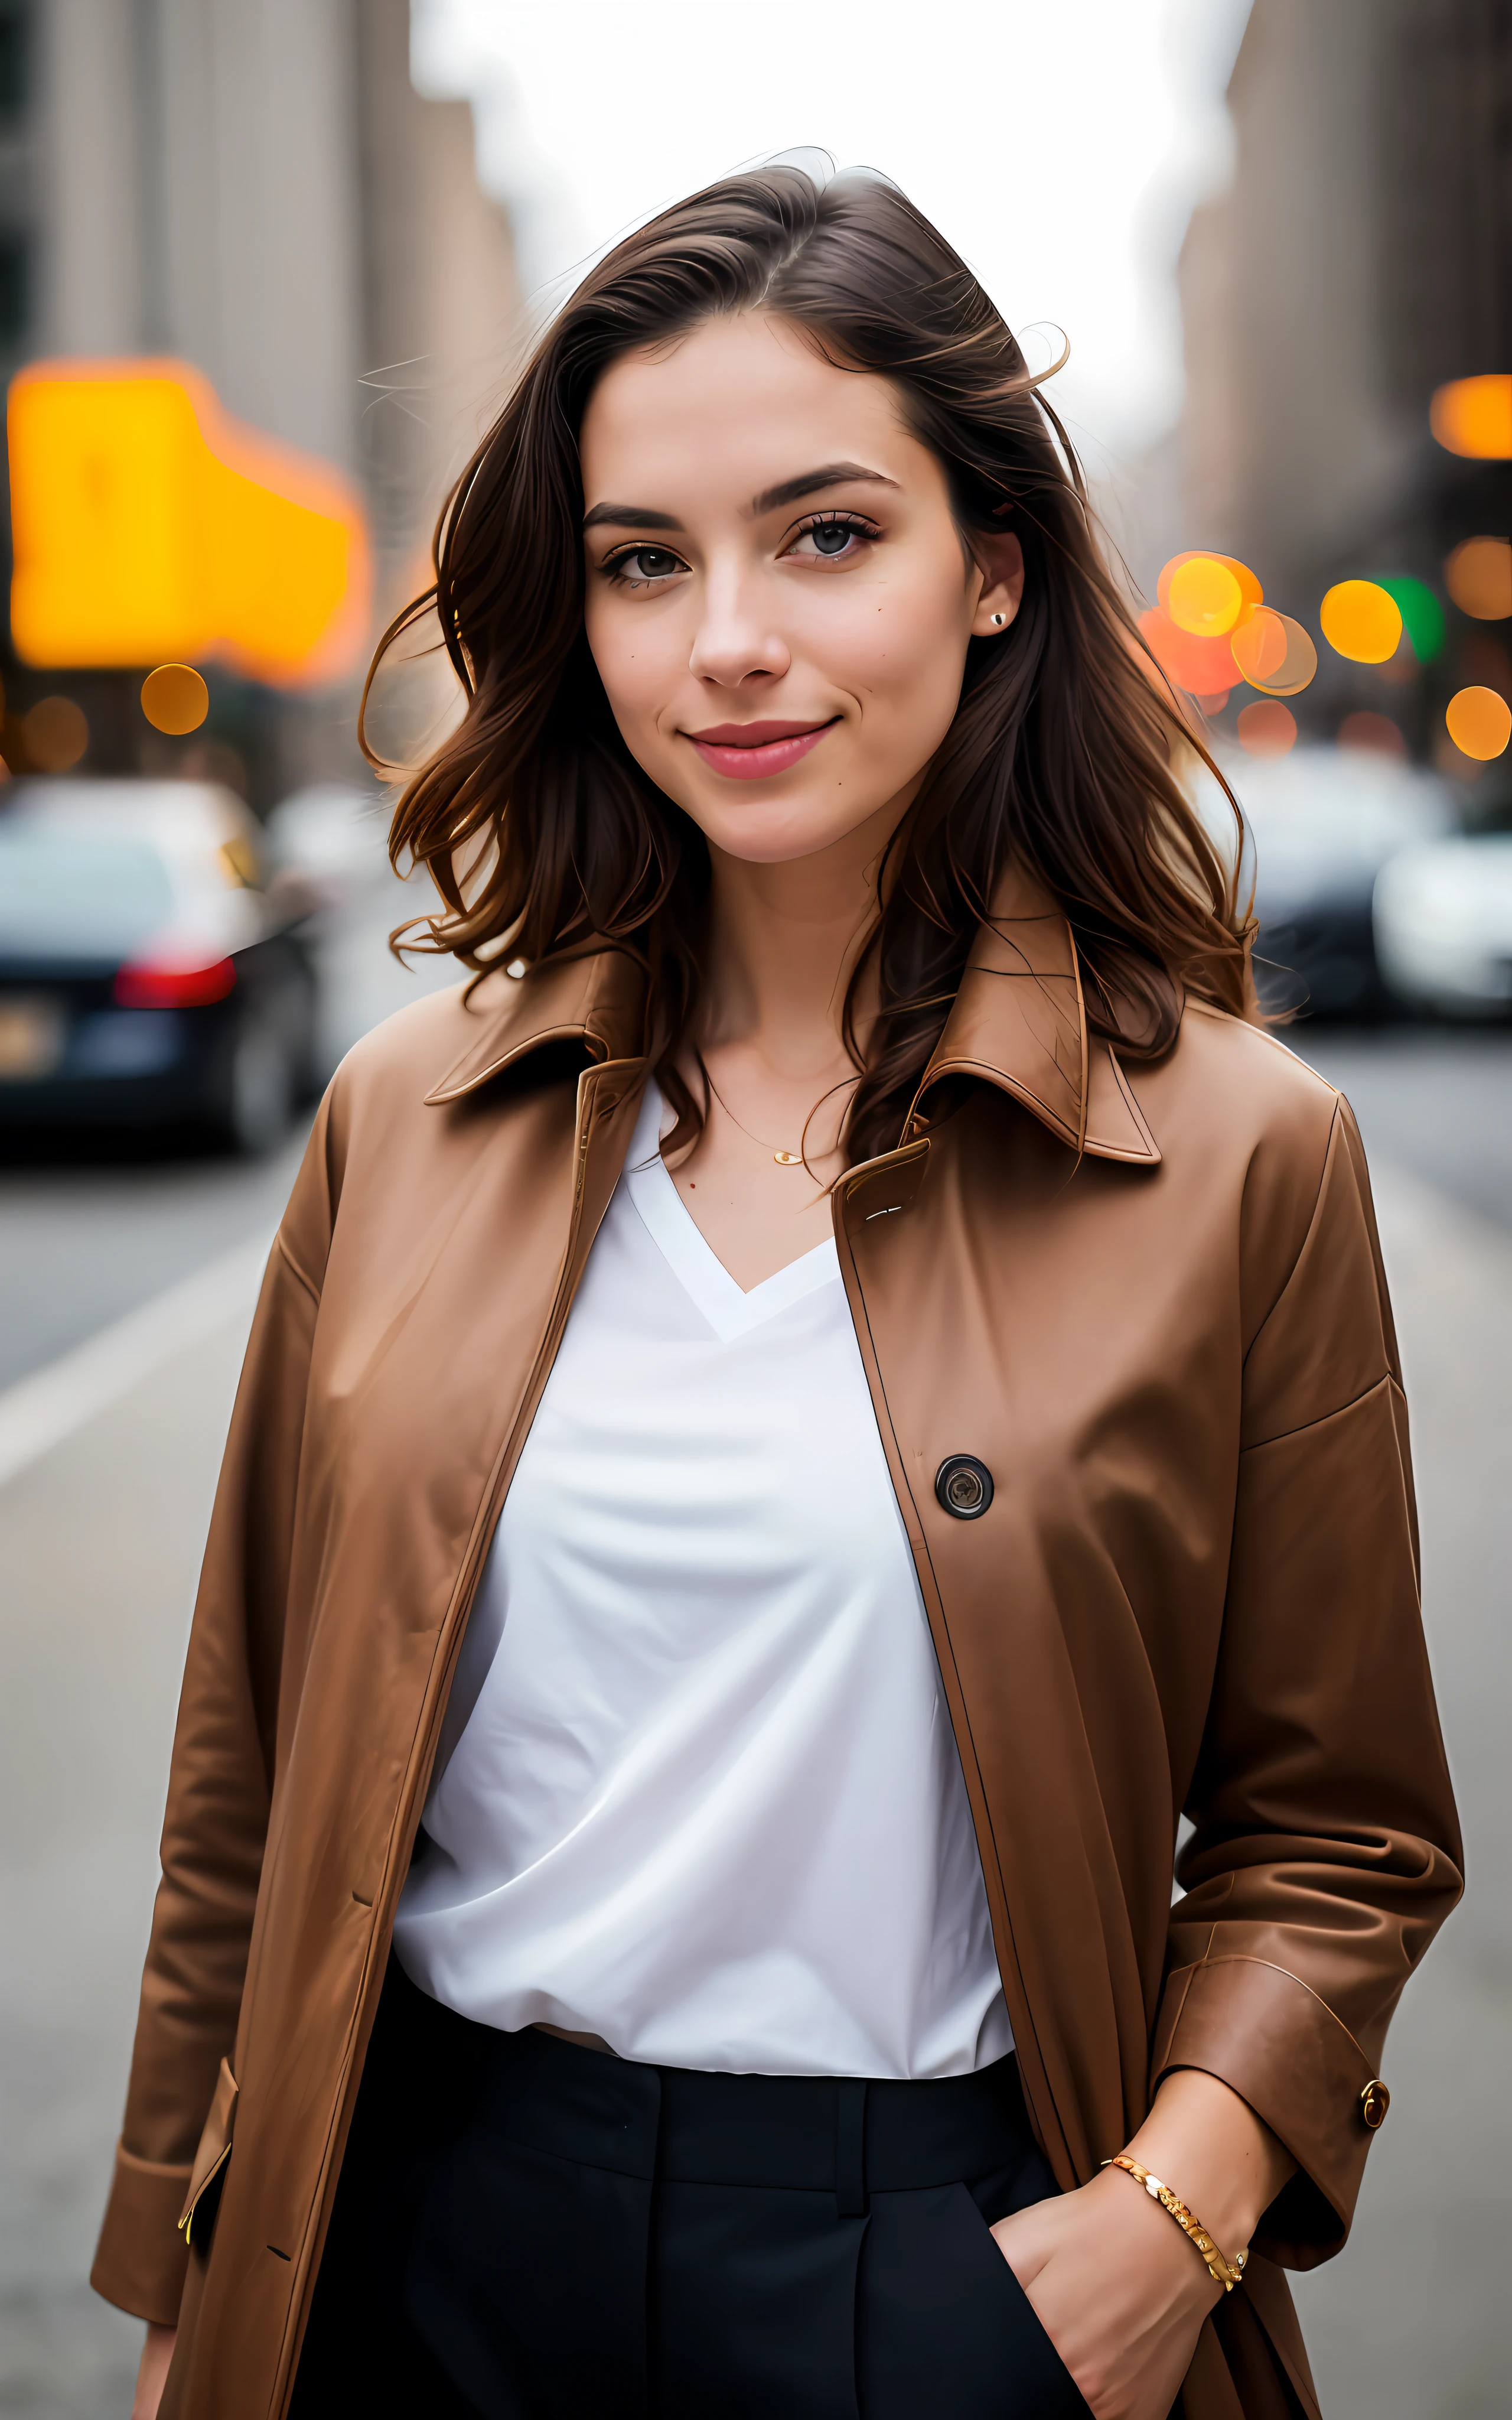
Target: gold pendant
788	1158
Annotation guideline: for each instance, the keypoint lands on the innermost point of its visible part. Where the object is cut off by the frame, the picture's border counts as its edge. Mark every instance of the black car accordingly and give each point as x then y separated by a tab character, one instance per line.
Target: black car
147	977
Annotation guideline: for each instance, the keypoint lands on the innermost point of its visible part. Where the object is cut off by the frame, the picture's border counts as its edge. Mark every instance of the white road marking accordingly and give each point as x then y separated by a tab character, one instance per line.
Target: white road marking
38	1412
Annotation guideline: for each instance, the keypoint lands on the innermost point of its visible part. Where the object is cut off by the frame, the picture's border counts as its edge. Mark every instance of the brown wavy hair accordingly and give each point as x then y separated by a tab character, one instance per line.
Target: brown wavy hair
1062	751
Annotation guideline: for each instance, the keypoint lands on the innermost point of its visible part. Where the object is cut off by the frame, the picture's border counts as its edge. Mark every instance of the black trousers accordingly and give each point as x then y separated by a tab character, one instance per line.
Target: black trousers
526	2230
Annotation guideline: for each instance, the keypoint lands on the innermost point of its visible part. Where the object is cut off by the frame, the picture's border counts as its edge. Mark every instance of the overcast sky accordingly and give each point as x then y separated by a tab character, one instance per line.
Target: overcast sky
1059	143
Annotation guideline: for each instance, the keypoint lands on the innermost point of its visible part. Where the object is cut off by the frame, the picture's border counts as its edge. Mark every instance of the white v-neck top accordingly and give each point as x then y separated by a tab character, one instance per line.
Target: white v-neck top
698	1792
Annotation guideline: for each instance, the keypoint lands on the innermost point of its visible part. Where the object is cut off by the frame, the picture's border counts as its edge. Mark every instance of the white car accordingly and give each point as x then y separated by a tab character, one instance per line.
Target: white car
1444	924
1319	825
333	837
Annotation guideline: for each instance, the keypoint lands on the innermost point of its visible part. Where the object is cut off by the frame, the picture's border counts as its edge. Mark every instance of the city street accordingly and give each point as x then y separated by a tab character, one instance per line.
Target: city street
126	1284
309	308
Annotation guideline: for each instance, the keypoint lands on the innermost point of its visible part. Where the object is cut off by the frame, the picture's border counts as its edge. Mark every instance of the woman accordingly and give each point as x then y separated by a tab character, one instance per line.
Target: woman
797	1422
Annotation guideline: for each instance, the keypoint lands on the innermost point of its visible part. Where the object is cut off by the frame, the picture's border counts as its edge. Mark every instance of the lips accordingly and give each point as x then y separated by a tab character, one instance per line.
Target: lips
753	751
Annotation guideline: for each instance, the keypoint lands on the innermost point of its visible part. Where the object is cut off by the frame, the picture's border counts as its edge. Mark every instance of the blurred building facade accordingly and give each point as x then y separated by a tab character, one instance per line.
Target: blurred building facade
1360	258
254	186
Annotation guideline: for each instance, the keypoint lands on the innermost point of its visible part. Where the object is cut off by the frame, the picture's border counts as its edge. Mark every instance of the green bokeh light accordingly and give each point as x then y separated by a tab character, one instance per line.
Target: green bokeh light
1421	612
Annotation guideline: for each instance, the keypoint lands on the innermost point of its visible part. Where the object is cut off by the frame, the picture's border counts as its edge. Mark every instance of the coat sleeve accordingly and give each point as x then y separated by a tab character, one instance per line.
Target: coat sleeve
220	1778
1325	1852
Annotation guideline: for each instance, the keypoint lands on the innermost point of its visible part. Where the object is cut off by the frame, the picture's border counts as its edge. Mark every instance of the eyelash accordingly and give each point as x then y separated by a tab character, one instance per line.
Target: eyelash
842	521
613	566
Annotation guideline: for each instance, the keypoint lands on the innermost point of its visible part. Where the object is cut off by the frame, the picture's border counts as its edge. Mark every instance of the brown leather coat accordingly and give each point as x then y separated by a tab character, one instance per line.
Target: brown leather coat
1150	1302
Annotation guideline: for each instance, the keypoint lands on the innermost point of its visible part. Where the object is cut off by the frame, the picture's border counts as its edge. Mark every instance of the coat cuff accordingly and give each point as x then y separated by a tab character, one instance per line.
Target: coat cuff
1270	2037
141	2259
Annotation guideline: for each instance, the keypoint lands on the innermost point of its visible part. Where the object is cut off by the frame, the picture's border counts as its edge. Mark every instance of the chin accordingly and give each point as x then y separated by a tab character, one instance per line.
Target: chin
780	842
774	830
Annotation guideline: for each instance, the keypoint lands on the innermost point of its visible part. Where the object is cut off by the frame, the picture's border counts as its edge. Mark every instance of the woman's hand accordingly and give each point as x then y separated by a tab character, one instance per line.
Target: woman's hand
156	2354
1118	2288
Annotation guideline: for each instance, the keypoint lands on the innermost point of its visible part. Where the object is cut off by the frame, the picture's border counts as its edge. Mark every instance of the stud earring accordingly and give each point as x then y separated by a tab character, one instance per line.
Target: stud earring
998	620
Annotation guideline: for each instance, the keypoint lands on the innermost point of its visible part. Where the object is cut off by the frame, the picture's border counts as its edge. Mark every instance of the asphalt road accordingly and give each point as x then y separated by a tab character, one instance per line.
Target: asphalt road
100	1538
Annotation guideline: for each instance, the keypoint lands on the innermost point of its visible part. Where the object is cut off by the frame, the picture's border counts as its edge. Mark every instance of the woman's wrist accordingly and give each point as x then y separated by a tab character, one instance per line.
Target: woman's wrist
152	2377
1207	2144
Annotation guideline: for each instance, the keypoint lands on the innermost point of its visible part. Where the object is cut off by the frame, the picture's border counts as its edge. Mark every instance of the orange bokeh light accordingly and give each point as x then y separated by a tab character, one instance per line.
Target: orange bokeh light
1480	721
1267	728
175	699
1375	732
1473	416
1274	653
1204	666
1204	599
1478	575
1207	595
1362	620
54	734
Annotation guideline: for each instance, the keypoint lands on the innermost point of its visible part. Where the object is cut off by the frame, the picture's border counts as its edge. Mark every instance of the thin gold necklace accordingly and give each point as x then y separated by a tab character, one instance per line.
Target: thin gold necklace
783	1158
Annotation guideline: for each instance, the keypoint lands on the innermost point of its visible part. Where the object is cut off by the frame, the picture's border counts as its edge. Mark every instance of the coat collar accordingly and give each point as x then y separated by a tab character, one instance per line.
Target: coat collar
1019	1022
598	998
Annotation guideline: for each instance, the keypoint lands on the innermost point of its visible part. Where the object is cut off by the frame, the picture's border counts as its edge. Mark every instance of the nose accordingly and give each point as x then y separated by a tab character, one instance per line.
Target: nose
735	643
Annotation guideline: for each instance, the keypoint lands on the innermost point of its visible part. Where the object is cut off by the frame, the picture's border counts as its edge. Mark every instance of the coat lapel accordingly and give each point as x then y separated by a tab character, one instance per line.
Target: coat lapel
598	998
1019	1021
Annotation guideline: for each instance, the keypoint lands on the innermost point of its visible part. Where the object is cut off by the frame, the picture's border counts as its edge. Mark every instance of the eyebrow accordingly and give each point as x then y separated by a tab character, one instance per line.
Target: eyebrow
629	516
814	483
787	491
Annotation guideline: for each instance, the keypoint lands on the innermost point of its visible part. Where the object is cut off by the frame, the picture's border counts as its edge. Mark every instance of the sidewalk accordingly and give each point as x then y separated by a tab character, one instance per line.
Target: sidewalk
1415	2322
99	1542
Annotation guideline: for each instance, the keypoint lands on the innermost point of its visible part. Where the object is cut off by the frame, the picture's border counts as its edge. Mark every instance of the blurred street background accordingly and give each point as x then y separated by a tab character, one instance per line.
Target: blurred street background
265	267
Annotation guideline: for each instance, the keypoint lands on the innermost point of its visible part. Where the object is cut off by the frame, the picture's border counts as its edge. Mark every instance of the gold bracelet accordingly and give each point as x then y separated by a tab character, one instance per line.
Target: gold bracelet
1226	2273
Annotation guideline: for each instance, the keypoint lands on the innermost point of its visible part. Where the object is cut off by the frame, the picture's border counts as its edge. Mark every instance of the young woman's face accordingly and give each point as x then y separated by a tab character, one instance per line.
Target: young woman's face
778	601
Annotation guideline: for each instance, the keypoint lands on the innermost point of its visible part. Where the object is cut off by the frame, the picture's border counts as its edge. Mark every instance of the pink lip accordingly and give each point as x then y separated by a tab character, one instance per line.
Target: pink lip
753	751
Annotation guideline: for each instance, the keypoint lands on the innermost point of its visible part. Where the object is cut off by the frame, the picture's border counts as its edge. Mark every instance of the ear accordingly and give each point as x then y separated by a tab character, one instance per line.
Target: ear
1000	561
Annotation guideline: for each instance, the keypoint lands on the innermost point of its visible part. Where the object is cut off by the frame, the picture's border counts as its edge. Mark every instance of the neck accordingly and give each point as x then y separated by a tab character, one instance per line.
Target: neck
783	944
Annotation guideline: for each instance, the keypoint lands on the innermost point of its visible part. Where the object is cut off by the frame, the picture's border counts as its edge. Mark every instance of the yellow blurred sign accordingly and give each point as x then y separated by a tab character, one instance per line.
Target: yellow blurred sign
147	524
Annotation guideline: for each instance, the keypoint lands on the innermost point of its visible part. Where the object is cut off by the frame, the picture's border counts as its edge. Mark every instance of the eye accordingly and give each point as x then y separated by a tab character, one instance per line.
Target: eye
833	537
643	566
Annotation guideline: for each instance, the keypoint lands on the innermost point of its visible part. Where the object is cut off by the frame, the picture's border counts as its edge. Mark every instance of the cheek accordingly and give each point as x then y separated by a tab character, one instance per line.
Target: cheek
636	658
899	645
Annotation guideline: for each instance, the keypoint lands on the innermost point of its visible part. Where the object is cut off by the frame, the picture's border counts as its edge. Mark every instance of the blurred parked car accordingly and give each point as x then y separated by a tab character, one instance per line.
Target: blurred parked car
1444	924
332	837
147	977
1323	822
